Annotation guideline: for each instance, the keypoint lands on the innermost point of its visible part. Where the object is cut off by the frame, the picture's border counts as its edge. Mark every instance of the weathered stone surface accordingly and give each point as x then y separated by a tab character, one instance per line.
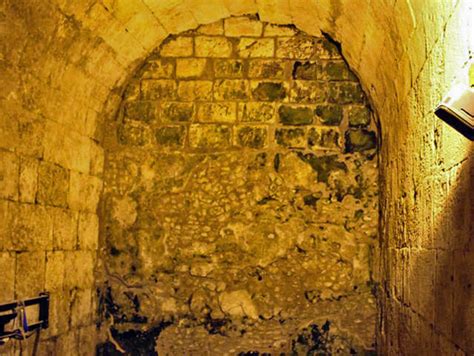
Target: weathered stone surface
152	89
170	136
177	112
9	168
231	89
53	185
300	47
242	26
295	115
272	30
324	138
88	231
199	90
256	48
269	91
7	265
359	116
337	71
229	68
157	69
238	304
177	47
345	93
215	28
360	140
140	110
64	229
209	136
252	137
291	138
256	112
135	134
216	47
30	273
217	112
267	68
329	114
305	91
190	67
308	70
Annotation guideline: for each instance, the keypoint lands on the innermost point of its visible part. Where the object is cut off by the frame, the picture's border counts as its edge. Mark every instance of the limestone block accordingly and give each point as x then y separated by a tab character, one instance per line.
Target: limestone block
55	270
177	112
64	229
360	140
30	274
177	47
359	116
158	89
80	271
216	47
324	138
81	307
84	192
9	175
217	112
296	115
170	136
291	137
88	231
7	266
308	91
256	47
272	30
301	47
190	67
215	28
134	133
59	313
336	71
88	340
251	136
269	91
67	343
306	70
209	136
199	90
158	69
267	68
329	114
256	112
231	89
229	68
345	93
28	183
53	185
242	26
144	111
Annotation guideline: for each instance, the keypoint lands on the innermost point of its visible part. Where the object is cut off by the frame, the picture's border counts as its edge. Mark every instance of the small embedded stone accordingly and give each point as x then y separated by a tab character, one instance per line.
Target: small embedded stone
170	136
290	138
295	115
269	91
329	114
360	140
252	137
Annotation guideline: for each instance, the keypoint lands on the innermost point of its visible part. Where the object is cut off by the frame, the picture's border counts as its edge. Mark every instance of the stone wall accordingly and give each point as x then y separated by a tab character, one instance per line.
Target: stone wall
241	186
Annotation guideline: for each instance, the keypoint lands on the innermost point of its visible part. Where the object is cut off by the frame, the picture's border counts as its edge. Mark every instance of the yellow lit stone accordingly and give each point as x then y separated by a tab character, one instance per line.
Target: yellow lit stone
190	68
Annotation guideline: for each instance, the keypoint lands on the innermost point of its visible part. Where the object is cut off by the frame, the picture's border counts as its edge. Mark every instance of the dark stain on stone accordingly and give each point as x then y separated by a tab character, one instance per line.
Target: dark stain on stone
324	165
269	91
360	140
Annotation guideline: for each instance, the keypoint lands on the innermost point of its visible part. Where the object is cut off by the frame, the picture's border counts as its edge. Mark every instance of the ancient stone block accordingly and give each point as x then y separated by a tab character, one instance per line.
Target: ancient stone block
30	273
269	91
55	270
337	71
272	30
217	112
252	137
305	91
256	112
88	231
256	47
242	26
190	67
329	114
7	266
53	185
231	89
177	111
360	140
295	115
64	229
345	93
267	68
298	47
307	70
84	192
145	111
177	47
229	68
170	136
9	168
80	271
135	134
215	28
358	116
324	138
209	136
199	90
152	89
325	49
81	307
28	179
291	137
217	47
158	69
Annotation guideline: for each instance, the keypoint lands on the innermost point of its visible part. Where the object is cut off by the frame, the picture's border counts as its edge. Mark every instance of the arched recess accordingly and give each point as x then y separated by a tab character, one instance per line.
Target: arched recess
241	193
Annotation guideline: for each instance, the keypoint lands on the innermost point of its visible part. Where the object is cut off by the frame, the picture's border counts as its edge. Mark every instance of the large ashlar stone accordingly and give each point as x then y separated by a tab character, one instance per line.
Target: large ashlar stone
215	47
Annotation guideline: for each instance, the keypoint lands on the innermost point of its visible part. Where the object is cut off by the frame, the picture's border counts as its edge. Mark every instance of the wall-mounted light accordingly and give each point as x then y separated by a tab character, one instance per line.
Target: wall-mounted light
457	108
